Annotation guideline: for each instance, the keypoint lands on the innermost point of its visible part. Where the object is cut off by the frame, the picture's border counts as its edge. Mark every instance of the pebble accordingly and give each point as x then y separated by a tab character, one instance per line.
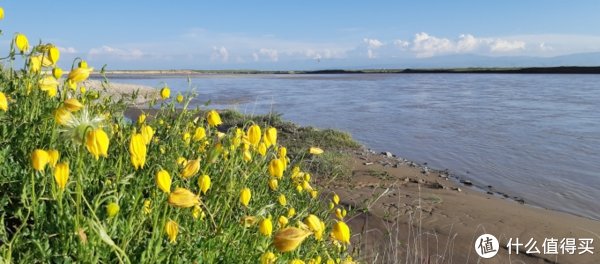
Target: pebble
425	170
387	154
457	189
466	182
368	163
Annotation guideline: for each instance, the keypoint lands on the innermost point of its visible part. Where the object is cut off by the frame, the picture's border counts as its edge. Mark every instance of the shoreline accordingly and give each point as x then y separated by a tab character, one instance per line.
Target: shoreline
432	207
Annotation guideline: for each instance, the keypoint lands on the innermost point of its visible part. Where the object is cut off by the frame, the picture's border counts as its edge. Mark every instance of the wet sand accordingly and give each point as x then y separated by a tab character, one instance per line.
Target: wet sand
406	214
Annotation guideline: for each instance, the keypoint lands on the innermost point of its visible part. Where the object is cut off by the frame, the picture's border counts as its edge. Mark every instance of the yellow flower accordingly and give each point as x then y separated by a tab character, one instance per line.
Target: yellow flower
171	228
97	143
165	92
282	152
253	134
39	159
276	168
53	54
262	149
291	212
72	104
191	168
270	136
179	98
61	175
204	183
316	260
21	42
137	150
247	155
245	196
335	199
112	209
62	115
186	137
289	238
141	118
183	198
147	208
267	258
197	212
163	181
80	74
213	118
49	84
296	261
314	194
82	64
147	133
3	102
265	227
283	221
341	232
316	225
340	213
273	184
199	134
282	200
57	72
315	151
1	13
53	157
181	161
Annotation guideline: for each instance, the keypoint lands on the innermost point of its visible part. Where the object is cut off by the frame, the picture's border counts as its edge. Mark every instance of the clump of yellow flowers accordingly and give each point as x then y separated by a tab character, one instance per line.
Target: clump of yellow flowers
80	182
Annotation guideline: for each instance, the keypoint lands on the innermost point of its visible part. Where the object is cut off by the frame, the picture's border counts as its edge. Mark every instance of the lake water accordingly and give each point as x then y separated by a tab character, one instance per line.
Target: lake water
531	136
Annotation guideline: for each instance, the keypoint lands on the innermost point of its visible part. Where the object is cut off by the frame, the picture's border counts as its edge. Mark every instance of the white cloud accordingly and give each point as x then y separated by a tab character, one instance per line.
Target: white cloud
67	50
219	54
255	56
129	54
373	43
501	45
427	46
403	45
271	54
467	43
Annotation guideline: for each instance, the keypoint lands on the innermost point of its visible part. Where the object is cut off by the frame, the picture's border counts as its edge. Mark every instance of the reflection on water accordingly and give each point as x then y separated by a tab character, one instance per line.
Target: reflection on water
532	136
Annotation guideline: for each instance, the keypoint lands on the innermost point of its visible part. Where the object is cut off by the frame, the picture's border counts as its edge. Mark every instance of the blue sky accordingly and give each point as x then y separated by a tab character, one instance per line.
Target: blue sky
300	34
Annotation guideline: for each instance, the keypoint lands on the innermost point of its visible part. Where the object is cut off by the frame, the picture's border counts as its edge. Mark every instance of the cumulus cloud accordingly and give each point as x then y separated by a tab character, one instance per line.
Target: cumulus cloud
372	44
129	54
425	45
501	45
219	54
271	54
401	44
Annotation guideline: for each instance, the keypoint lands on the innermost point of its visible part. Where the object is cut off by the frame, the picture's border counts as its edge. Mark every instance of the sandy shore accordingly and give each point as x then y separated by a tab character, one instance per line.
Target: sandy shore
406	214
124	90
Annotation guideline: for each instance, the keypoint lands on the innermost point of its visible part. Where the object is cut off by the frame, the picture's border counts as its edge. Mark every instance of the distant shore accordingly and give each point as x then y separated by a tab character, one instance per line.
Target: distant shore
474	70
